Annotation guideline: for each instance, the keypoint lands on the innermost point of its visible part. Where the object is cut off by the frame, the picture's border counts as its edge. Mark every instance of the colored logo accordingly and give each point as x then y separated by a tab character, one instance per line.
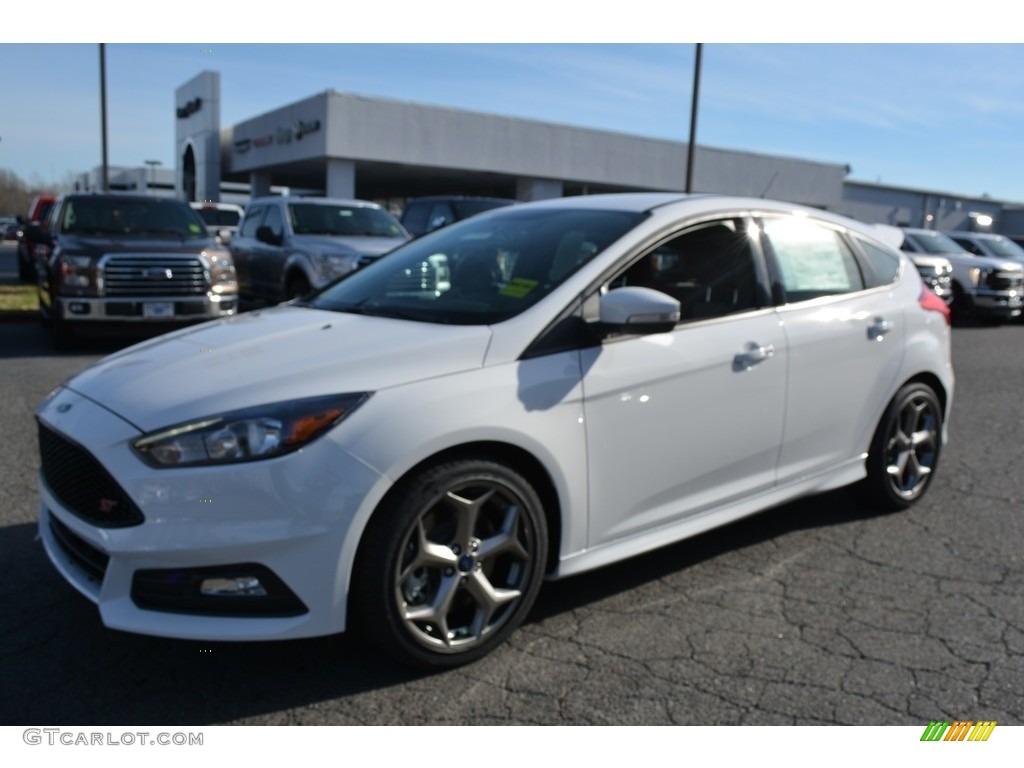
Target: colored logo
961	730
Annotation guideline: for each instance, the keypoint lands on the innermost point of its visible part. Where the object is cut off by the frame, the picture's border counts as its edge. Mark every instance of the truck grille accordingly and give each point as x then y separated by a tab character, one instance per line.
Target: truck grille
1005	281
154	275
82	485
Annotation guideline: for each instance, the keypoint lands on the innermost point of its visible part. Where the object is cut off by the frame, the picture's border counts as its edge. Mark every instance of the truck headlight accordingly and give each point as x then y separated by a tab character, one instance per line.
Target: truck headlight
77	275
223	278
336	264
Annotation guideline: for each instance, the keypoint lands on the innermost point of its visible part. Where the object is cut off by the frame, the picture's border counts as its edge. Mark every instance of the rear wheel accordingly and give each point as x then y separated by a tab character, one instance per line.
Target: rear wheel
450	564
905	449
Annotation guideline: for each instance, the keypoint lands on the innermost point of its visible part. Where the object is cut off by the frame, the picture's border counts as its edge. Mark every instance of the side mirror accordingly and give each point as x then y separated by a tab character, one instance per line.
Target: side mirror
638	310
266	235
224	236
437	223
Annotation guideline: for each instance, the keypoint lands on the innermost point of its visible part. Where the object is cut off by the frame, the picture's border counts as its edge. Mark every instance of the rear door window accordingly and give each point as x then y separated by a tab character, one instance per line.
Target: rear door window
812	259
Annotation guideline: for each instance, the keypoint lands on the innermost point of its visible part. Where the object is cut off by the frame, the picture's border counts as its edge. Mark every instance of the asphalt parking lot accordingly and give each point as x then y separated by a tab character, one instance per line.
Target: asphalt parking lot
818	612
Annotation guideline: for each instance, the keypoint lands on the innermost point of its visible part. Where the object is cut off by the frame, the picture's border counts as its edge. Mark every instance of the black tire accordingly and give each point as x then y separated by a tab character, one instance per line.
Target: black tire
298	286
62	334
905	449
450	564
26	274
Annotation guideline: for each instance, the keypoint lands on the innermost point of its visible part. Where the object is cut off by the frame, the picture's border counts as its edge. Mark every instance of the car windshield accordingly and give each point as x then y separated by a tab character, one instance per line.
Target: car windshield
934	242
342	220
102	215
466	208
1005	247
219	217
480	271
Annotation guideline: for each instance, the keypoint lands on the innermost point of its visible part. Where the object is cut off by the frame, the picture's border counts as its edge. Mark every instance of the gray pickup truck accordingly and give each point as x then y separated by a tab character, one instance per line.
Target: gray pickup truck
987	288
112	262
287	246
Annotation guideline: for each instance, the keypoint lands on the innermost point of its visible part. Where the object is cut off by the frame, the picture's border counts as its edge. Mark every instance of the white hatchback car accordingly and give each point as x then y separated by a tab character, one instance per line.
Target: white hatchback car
601	376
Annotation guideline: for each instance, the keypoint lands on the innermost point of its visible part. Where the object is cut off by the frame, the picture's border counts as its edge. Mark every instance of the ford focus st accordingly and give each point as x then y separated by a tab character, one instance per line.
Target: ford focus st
596	377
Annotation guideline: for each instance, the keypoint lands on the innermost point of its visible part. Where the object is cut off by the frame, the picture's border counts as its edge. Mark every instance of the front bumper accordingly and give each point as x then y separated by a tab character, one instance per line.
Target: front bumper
152	309
1005	304
291	517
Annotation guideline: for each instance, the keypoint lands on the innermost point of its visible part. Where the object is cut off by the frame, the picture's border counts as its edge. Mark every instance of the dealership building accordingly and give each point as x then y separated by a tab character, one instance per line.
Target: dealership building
347	145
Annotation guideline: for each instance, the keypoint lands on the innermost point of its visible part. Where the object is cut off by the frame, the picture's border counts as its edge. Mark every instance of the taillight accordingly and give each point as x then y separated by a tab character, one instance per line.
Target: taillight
930	301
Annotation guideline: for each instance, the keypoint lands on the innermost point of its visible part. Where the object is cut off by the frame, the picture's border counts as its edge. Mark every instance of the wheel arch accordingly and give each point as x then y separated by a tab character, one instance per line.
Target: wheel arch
515	457
936	386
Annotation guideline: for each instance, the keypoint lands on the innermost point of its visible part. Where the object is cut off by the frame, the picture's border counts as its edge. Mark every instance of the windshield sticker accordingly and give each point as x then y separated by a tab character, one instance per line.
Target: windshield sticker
518	287
195	229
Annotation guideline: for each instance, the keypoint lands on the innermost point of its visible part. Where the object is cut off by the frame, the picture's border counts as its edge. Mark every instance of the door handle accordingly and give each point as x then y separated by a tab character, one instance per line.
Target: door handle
878	328
754	354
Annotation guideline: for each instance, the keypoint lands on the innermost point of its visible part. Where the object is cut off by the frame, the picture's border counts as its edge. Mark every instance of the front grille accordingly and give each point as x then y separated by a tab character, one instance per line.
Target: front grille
82	485
157	275
1003	281
84	554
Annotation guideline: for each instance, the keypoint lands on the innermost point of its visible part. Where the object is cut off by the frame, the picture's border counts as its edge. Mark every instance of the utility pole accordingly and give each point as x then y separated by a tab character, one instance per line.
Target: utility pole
105	180
693	121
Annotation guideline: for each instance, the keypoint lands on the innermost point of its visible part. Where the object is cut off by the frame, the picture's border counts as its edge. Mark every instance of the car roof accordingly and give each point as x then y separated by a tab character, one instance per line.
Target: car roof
434	198
316	200
223	206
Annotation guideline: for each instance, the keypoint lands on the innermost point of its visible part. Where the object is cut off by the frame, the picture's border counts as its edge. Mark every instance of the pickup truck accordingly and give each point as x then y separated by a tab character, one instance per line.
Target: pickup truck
114	262
287	246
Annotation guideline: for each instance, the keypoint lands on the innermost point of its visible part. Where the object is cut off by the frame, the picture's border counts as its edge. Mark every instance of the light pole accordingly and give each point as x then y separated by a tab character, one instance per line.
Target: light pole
105	172
693	120
152	164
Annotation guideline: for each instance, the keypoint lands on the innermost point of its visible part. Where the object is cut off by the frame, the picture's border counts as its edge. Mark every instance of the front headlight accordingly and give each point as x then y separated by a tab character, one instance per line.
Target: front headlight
223	278
77	275
251	434
336	264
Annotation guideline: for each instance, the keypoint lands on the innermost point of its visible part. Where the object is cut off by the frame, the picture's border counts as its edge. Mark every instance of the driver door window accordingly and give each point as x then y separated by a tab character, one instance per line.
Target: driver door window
710	270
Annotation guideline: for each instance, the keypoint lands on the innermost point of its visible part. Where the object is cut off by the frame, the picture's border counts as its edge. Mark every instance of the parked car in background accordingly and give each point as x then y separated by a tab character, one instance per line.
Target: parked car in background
38	210
12	231
221	219
287	246
425	214
988	244
987	288
112	262
936	271
604	375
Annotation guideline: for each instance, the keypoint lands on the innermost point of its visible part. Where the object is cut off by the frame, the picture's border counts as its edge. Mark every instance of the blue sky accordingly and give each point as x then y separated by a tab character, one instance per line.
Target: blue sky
946	117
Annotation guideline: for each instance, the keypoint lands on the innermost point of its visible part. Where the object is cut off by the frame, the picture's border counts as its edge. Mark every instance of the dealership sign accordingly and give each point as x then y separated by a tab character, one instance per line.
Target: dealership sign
280	136
190	108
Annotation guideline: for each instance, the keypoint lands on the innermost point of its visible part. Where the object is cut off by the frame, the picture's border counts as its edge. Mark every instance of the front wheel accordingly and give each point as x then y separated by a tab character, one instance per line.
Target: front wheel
297	287
904	452
450	564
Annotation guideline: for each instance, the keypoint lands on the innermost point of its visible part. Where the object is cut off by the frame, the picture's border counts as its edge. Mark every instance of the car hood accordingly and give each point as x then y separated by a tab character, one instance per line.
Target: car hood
270	356
97	246
368	246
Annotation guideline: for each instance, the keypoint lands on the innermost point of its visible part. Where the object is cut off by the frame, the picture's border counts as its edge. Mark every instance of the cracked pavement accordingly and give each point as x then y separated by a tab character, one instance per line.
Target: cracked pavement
817	612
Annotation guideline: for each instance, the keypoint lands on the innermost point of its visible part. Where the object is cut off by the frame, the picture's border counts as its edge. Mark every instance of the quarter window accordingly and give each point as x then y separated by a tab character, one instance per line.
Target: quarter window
886	265
274	221
813	259
251	222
